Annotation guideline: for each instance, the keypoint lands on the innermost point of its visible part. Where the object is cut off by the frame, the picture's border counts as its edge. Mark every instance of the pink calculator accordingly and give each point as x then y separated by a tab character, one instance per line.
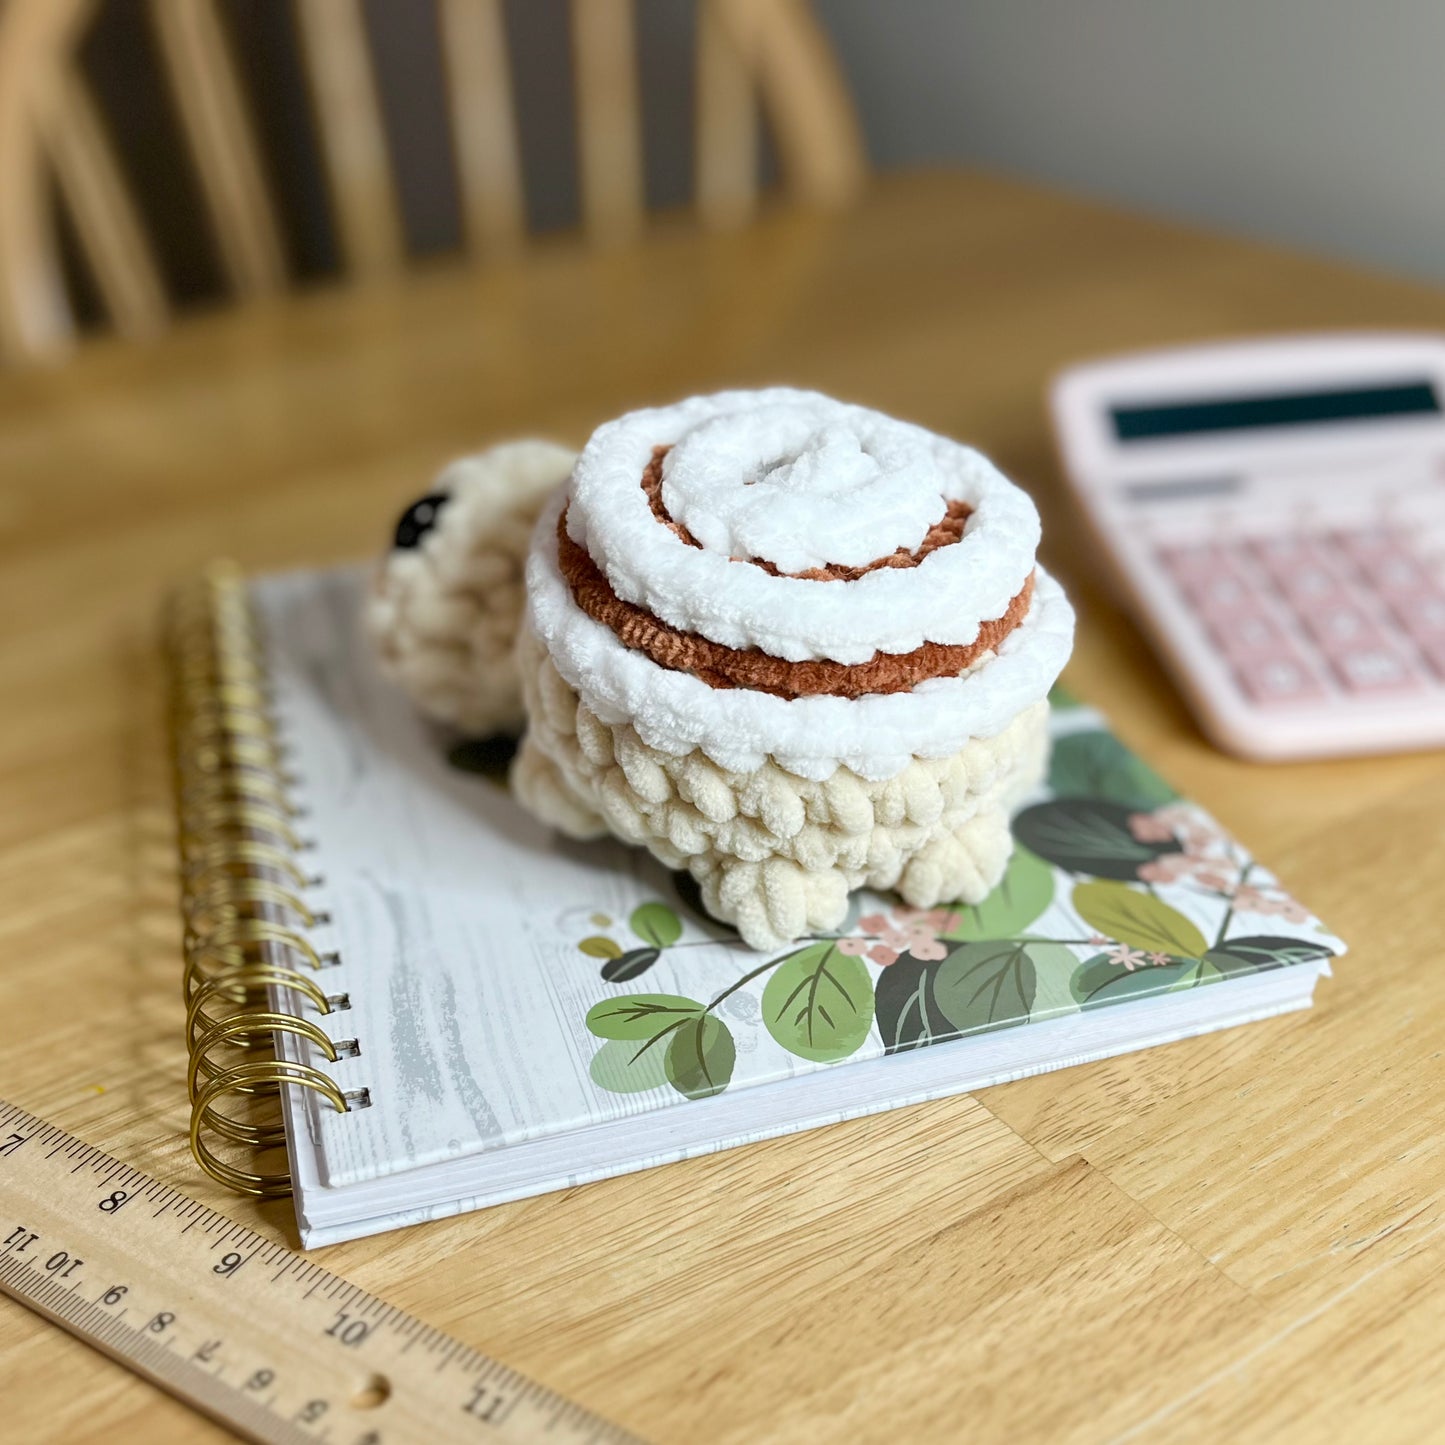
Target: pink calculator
1275	510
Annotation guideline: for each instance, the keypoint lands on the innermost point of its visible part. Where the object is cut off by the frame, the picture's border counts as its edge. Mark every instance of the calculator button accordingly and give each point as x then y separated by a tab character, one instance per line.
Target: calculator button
1254	634
1192	564
1225	594
1280	554
1420	616
1374	669
1434	650
1313	584
1280	679
1301	567
1342	625
1367	543
1397	574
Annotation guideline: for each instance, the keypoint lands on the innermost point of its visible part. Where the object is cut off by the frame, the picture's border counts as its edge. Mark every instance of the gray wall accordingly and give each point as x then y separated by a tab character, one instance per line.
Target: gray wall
1320	123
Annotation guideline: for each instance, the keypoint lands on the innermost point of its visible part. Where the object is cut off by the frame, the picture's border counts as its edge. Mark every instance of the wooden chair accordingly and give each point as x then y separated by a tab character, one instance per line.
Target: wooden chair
51	132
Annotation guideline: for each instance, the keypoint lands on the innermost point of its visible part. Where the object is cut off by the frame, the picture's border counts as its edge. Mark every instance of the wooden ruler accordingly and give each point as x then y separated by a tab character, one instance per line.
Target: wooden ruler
248	1331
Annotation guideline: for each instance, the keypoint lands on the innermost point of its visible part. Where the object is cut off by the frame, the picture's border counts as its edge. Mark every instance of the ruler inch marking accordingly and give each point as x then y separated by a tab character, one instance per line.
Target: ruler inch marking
288	1352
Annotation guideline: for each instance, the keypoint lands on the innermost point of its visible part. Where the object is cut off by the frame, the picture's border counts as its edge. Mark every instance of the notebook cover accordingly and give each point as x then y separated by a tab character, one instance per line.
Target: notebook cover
506	984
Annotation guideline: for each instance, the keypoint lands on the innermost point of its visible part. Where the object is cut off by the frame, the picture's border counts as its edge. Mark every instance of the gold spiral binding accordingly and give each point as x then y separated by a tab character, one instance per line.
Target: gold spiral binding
246	1027
241	986
226	899
237	859
264	1186
250	968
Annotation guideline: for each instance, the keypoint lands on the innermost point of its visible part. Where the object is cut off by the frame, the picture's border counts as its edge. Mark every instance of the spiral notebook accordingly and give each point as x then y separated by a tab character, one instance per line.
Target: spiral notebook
465	1009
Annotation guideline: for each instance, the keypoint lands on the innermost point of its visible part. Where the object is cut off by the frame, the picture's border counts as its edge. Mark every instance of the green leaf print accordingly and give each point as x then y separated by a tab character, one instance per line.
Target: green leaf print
986	985
1138	919
600	947
1102	981
908	1014
1097	765
819	1003
700	1057
630	965
1254	954
1197	971
1025	892
1082	835
1054	965
655	923
624	1068
639	1015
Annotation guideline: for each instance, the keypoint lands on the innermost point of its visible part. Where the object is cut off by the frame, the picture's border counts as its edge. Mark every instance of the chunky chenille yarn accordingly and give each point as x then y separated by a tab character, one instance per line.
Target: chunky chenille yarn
792	646
447	600
776	854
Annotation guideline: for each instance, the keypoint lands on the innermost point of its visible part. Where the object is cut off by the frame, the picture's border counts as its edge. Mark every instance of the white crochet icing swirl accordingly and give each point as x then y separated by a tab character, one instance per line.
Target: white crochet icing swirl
800	480
780	483
876	736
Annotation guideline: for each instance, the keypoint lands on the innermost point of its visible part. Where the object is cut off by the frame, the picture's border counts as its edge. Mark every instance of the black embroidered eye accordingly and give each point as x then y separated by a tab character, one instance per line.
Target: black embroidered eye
419	519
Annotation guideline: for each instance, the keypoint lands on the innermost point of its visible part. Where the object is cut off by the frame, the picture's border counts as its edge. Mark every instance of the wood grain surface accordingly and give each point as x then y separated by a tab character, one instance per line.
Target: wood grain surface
1231	1238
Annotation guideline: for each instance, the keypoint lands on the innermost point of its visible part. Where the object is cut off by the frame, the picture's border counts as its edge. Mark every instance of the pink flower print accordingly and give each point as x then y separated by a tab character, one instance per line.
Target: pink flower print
879	940
910	930
1167	868
1177	815
1219	879
937	919
1159	960
1199	839
1126	957
1150	828
888	942
1249	899
913	930
923	943
1097	940
897	939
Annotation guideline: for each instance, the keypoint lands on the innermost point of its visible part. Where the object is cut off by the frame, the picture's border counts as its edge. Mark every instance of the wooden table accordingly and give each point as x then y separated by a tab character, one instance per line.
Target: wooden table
1232	1238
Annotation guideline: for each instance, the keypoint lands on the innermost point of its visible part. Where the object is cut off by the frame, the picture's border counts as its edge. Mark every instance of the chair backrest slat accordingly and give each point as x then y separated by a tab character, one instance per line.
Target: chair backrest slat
106	224
726	159
35	314
484	127
820	145
609	118
353	138
748	51
222	143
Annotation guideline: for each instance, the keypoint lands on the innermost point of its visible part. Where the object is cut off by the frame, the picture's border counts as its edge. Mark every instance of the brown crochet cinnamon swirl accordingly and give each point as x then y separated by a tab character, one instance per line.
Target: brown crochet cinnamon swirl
721	666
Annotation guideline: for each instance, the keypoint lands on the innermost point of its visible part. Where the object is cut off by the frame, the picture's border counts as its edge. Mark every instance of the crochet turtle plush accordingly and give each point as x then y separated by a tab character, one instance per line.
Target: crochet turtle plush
789	645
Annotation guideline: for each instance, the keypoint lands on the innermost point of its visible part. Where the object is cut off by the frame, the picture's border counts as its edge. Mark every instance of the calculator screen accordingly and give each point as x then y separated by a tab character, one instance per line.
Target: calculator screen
1180	418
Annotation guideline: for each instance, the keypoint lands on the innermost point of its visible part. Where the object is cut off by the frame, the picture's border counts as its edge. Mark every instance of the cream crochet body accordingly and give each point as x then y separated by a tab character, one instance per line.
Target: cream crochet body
443	615
778	806
773	853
